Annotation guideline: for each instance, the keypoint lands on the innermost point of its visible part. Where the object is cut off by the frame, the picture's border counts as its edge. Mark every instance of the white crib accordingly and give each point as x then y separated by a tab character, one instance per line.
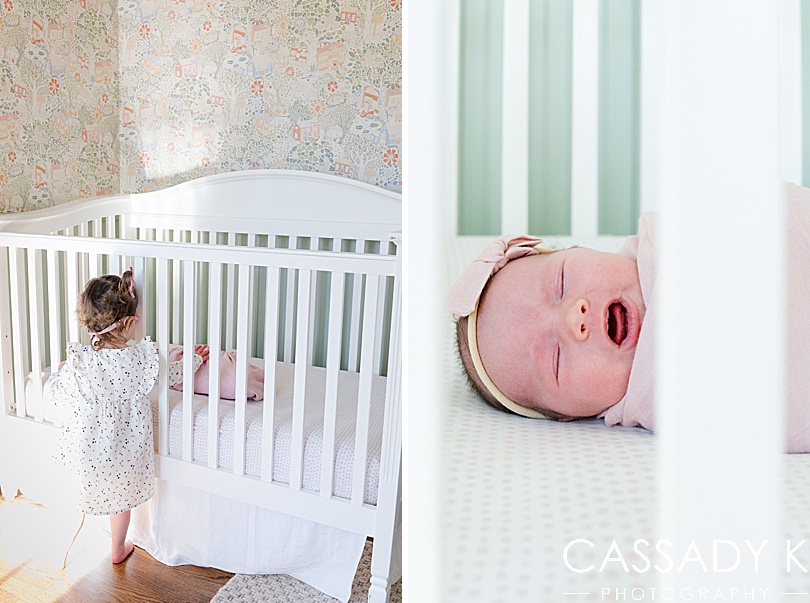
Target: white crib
298	272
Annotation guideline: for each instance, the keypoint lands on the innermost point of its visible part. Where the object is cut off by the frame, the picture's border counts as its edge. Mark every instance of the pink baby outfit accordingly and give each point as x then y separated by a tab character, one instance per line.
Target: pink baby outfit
637	408
227	377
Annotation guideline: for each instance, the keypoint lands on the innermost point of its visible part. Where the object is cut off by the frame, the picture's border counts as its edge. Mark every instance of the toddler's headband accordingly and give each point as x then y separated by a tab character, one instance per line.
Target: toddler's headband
466	292
116	323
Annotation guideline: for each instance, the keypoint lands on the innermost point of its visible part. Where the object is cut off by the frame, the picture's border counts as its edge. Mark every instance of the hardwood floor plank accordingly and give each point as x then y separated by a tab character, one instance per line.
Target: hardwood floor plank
33	540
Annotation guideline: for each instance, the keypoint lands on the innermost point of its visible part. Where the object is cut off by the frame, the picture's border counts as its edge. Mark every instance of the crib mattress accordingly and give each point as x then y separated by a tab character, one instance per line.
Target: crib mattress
282	448
515	492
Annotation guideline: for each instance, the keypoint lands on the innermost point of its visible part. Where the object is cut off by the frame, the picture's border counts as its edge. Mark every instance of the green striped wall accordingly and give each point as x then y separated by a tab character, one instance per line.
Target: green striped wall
550	60
619	93
550	69
479	151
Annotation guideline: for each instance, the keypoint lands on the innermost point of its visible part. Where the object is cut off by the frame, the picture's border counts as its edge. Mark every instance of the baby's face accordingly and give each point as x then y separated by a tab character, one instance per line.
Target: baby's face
559	330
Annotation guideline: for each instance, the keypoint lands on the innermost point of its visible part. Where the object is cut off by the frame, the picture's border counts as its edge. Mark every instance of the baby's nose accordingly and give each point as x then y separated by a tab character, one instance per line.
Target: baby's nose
579	319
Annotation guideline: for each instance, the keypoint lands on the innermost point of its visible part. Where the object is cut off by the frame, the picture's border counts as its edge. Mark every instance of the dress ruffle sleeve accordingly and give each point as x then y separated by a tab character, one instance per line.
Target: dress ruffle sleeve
149	356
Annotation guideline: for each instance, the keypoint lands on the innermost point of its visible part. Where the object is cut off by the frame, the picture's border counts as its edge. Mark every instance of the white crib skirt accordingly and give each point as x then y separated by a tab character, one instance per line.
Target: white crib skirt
182	525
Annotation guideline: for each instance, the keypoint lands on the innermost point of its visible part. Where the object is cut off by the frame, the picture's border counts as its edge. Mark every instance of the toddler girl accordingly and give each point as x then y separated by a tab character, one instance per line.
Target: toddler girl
569	334
107	437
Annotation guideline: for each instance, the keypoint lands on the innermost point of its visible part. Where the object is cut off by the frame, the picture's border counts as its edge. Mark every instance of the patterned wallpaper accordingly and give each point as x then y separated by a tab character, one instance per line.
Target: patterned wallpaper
100	97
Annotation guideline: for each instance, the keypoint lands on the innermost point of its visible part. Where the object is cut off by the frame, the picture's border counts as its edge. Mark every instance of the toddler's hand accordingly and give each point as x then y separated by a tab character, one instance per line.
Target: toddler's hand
203	351
61	364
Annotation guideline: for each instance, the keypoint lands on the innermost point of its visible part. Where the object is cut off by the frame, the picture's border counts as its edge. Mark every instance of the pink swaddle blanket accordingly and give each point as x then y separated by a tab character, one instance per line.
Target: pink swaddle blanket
637	406
227	377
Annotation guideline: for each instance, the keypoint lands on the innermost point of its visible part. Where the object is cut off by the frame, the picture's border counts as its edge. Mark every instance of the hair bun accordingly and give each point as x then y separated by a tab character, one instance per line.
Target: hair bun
126	288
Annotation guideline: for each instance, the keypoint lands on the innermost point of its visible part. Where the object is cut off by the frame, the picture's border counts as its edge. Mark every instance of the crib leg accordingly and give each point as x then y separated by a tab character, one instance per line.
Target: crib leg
388	527
378	593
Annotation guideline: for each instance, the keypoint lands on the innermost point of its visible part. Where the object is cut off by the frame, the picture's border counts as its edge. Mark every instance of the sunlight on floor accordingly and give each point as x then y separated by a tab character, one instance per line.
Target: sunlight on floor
33	541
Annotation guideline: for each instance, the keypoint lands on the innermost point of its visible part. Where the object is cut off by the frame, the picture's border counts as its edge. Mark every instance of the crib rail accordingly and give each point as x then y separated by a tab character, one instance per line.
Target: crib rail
265	297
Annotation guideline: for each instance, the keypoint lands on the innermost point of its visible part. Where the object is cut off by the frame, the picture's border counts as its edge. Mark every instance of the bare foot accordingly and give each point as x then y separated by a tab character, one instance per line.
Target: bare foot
118	557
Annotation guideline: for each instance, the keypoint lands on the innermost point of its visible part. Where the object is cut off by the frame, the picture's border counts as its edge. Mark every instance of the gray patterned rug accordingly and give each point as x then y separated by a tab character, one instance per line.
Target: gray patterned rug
280	588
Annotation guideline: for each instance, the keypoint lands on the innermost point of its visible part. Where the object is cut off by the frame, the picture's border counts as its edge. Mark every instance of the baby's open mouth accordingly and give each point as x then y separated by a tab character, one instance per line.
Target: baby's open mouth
617	323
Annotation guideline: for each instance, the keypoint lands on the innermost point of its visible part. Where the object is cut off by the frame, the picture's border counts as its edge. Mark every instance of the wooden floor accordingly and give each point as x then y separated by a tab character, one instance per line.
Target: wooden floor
33	541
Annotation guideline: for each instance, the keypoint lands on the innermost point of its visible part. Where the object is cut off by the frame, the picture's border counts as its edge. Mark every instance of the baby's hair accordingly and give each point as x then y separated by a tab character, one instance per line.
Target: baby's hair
105	301
465	357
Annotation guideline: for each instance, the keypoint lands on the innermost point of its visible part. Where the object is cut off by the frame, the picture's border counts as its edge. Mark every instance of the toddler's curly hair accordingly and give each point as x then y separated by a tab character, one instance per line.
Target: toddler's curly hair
105	301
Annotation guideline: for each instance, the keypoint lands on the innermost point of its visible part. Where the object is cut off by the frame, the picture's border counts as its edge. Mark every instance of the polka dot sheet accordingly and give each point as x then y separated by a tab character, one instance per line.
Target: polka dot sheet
517	491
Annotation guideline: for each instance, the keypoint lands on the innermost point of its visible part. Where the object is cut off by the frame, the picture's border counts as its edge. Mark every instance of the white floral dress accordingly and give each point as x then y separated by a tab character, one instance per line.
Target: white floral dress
107	436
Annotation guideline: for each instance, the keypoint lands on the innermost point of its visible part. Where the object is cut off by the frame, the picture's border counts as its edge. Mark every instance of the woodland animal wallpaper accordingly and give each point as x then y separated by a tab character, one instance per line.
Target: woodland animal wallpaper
100	97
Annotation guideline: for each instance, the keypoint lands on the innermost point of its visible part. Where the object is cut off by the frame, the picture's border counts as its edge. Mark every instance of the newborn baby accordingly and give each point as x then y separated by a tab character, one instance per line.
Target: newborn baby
569	334
556	330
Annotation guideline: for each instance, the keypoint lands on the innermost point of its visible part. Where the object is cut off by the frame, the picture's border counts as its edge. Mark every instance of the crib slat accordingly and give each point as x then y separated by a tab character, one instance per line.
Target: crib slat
84	271
241	370
149	285
94	259
332	372
790	97
252	317
390	459
35	287
357	297
378	340
162	303
313	244
270	353
177	268
364	391
143	286
515	117
305	278
585	121
6	367
188	360
72	260
19	330
201	292
230	301
98	232
214	345
289	314
54	323
651	105
36	313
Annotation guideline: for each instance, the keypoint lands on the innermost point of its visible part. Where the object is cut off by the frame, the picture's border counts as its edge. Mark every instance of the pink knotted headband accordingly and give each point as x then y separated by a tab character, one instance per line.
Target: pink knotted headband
466	293
113	325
